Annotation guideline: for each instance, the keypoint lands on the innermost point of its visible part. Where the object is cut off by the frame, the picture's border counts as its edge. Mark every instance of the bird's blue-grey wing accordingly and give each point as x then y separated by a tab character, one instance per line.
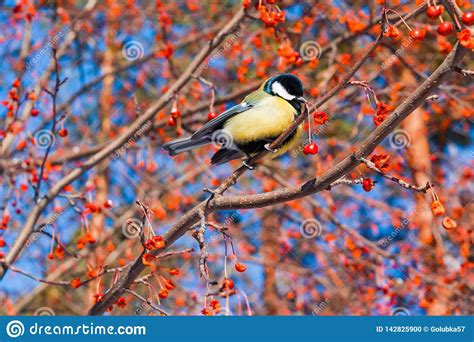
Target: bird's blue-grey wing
218	122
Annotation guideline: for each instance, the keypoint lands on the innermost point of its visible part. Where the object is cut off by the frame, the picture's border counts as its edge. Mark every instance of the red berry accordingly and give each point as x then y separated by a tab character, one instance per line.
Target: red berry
468	18
163	294
108	204
171	121
310	149
434	12
206	312
280	16
417	34
174	271
175	113
228	284
367	184
34	112
212	115
240	267
170	285
320	118
63	132
445	29
393	32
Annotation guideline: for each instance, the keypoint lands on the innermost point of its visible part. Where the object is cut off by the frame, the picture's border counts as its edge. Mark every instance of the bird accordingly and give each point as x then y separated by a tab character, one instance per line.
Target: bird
249	127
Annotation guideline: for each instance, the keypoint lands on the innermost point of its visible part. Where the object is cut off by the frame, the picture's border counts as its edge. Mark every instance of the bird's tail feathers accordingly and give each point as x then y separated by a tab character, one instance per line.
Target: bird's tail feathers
185	144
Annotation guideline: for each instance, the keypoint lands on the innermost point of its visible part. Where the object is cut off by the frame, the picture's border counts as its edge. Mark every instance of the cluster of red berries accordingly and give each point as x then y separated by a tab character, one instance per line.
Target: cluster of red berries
169	286
156	242
59	253
320	118
214	308
269	17
433	12
13	99
438	209
85	239
175	114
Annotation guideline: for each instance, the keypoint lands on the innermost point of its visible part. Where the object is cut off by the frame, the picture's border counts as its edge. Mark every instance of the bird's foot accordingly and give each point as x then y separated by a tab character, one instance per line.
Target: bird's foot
248	166
214	194
268	148
210	191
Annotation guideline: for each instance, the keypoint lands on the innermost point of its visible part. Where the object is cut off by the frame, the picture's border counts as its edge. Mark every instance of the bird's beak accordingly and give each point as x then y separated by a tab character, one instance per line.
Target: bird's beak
301	99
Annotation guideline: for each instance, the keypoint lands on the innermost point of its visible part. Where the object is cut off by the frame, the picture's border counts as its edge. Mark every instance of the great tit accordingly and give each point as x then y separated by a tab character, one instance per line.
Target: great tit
247	128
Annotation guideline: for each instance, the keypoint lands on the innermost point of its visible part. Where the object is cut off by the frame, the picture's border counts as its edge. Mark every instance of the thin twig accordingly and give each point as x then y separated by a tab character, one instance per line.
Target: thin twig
400	182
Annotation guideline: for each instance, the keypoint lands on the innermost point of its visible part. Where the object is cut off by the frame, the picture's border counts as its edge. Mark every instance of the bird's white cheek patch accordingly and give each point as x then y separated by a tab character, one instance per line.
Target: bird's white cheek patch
278	89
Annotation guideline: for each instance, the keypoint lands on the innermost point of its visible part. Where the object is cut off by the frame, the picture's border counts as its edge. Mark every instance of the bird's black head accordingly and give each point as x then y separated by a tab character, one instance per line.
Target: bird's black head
288	87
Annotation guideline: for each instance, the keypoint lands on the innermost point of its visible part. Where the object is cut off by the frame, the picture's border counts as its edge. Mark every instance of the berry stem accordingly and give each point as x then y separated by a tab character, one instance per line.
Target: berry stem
401	18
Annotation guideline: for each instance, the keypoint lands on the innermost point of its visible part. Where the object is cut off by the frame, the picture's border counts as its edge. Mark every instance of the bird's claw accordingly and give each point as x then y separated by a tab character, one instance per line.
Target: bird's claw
210	191
268	148
248	166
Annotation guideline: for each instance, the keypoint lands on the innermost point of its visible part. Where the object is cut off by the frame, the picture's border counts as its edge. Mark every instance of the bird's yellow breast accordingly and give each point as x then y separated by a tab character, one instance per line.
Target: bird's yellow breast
267	120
